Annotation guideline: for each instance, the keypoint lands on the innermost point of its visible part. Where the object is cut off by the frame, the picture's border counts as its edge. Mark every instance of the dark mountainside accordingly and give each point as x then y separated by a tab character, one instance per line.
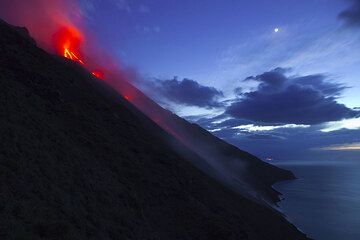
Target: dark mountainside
240	170
76	163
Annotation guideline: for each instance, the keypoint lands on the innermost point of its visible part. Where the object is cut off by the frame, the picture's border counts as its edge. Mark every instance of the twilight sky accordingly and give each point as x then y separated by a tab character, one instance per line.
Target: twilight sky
276	77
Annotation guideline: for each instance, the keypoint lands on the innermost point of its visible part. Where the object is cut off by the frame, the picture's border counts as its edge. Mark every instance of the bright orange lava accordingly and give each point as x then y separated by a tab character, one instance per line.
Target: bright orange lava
72	56
67	41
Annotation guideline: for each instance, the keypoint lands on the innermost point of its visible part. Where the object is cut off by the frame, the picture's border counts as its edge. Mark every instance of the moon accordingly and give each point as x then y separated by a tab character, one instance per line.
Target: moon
276	30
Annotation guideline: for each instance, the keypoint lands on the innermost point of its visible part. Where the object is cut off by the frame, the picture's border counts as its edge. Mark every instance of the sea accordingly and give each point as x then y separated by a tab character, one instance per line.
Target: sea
324	200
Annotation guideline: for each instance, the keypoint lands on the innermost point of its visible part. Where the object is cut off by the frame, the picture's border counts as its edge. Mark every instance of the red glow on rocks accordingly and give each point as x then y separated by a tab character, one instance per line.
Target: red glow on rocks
99	74
67	42
71	55
57	27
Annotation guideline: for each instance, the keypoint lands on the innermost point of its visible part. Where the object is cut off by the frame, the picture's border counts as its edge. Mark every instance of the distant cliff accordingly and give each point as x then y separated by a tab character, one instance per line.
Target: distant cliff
77	162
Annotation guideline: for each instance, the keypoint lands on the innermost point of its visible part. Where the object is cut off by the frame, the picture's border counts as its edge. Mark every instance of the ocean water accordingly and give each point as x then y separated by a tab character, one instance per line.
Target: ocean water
324	202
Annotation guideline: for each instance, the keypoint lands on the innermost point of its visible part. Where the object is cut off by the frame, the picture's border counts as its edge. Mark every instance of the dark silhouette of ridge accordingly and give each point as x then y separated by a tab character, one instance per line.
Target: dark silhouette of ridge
238	169
77	161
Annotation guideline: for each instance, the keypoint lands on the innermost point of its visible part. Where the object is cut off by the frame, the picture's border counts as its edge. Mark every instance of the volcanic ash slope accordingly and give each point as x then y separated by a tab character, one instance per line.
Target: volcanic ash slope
78	164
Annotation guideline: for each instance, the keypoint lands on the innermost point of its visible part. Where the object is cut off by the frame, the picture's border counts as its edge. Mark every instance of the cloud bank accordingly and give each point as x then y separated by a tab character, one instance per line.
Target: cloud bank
186	92
351	16
280	99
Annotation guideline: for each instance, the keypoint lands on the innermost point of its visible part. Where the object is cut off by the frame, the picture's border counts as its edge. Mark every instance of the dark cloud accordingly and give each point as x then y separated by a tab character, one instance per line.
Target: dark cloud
351	16
298	100
222	121
317	82
238	91
187	92
234	122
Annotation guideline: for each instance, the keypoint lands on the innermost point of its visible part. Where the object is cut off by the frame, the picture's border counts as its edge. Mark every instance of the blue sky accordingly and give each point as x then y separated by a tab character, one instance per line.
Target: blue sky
196	58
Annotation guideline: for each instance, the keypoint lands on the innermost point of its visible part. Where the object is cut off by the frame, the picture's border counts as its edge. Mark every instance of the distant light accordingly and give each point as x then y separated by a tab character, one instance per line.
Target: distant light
276	30
342	147
351	124
255	128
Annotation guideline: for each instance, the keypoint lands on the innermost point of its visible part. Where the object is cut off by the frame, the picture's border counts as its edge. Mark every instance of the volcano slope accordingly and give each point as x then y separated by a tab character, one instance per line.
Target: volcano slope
78	163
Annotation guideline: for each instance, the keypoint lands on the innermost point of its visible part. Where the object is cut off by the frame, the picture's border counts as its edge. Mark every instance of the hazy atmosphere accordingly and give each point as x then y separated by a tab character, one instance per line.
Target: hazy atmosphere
180	119
277	78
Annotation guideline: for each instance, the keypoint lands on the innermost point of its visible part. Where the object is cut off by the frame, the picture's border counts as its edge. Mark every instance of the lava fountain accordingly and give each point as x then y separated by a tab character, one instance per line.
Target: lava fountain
56	24
67	41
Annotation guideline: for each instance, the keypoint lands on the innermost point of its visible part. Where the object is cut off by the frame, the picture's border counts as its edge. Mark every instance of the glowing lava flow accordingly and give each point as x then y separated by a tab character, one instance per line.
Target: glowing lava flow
98	73
67	42
72	56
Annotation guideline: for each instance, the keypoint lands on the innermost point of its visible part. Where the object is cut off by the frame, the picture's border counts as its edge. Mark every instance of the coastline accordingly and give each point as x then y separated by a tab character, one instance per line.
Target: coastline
323	201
